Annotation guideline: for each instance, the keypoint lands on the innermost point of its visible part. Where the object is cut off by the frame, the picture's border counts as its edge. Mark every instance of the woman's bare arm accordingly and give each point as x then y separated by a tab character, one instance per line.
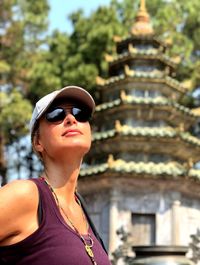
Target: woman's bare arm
18	211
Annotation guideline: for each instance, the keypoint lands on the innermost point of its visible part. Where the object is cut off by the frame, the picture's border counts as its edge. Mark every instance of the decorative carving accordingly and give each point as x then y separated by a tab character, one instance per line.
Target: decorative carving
128	71
190	162
168	41
181	127
100	81
187	84
196	111
124	251
176	59
123	95
117	38
131	49
195	247
109	58
110	160
118	126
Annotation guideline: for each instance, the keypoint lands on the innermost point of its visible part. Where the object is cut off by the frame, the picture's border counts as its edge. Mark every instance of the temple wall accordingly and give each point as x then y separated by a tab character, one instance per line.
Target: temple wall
176	216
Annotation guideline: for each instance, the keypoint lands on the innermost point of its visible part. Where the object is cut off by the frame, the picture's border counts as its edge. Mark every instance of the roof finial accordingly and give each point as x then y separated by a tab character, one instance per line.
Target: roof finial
142	25
142	6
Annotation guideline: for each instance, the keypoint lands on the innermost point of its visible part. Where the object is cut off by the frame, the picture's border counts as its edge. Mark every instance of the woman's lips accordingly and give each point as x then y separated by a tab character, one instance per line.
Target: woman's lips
71	132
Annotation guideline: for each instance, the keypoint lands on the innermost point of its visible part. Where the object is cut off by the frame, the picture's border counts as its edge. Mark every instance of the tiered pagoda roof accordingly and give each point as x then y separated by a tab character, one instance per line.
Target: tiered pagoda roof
158	101
169	170
141	64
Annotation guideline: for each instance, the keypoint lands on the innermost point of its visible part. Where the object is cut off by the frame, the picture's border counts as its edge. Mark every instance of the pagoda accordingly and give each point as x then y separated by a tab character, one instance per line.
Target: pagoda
141	171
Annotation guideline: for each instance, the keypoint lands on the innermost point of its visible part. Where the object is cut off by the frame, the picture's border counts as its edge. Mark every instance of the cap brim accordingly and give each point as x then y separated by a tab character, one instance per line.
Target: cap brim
71	92
77	93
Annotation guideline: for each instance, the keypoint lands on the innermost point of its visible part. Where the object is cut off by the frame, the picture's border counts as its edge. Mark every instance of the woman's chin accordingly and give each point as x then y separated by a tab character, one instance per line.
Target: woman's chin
76	150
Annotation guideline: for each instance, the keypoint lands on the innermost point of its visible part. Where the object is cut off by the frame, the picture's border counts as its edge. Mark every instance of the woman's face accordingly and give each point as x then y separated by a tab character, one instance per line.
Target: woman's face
61	134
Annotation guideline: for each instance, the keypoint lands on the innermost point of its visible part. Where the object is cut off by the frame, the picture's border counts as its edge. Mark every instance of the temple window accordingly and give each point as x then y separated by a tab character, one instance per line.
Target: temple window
143	68
144	93
137	93
143	229
124	50
111	96
143	46
107	126
142	123
142	157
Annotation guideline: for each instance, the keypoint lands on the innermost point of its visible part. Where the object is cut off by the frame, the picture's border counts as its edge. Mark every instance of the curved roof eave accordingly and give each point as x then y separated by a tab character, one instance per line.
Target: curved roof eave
119	166
165	132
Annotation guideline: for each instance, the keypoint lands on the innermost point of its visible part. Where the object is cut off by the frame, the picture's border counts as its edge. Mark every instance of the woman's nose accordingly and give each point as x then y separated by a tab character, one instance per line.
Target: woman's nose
70	119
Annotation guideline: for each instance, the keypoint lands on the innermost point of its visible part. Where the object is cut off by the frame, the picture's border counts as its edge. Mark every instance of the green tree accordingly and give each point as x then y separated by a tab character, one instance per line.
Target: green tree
80	57
22	24
15	112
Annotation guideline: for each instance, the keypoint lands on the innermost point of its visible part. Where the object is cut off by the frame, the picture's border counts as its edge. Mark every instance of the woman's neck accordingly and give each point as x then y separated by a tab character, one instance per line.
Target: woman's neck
63	179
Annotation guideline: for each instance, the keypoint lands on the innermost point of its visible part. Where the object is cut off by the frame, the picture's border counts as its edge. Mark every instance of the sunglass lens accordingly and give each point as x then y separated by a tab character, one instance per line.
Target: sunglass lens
56	115
81	115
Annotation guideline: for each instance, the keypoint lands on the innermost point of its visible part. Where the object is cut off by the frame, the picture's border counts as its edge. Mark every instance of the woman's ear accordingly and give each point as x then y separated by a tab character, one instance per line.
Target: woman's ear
37	145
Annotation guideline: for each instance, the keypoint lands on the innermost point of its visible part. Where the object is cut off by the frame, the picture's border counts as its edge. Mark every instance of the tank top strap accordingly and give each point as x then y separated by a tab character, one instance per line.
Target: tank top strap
47	208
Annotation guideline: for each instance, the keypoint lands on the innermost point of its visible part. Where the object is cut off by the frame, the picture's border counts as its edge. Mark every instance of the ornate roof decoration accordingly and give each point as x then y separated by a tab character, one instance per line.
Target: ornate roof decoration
117	38
128	71
118	126
130	38
161	101
108	58
125	130
157	76
196	111
162	132
142	25
188	84
132	49
100	81
137	53
110	161
171	169
176	59
194	173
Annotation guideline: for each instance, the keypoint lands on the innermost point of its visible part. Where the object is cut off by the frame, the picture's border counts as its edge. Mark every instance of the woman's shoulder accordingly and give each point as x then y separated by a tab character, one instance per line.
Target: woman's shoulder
19	188
19	202
23	192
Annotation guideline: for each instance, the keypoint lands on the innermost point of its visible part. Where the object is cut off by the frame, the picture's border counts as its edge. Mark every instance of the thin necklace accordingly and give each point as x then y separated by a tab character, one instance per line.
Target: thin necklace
88	247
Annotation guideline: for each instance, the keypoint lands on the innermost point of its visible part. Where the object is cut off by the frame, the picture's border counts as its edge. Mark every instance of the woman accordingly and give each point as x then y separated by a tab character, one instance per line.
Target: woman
43	221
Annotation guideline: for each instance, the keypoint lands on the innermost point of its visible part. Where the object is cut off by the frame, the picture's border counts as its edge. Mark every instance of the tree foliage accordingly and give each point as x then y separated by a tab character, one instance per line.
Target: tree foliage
22	24
15	115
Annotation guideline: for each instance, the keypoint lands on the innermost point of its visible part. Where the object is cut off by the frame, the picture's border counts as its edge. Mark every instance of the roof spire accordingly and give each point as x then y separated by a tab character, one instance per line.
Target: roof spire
142	25
142	6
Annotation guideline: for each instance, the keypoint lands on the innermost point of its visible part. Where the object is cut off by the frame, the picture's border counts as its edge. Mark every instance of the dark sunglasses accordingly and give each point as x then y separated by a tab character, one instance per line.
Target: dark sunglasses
58	114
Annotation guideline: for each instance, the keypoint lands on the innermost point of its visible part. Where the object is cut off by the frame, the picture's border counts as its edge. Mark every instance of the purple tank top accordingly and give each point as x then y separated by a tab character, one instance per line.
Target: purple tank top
54	242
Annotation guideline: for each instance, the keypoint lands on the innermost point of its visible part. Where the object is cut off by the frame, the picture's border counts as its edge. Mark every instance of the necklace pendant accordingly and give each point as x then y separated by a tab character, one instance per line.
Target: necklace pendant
89	251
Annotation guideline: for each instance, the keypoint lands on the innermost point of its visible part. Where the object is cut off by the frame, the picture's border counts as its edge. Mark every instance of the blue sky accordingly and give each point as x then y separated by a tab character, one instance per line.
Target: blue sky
61	8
